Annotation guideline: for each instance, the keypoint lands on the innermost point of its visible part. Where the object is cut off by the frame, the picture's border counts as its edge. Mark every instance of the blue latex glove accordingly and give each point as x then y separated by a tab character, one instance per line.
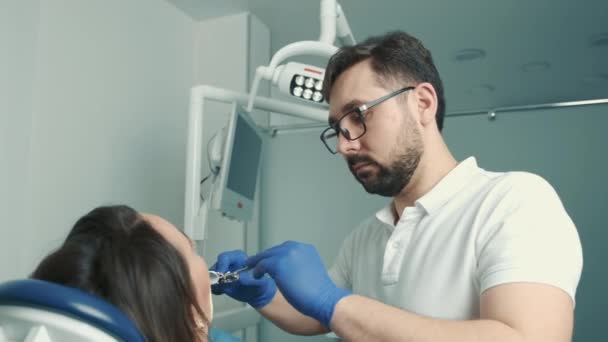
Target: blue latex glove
255	292
299	273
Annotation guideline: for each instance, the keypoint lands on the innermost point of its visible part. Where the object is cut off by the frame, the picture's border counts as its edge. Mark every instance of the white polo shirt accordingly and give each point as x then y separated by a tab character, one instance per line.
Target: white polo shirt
474	230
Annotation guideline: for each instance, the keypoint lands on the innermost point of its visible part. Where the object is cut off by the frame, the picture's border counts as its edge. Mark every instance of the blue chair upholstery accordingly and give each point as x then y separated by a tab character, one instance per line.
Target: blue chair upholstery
217	335
70	302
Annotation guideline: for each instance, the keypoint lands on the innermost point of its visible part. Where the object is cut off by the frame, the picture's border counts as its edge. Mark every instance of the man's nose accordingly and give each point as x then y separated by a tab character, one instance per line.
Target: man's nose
346	147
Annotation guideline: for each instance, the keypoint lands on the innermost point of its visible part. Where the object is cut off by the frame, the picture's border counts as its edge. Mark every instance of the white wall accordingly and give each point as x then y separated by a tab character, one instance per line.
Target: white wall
227	63
228	50
18	36
97	115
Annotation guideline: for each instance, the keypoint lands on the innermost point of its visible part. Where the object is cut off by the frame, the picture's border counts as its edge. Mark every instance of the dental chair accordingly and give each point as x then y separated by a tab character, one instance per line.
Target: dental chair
38	311
34	310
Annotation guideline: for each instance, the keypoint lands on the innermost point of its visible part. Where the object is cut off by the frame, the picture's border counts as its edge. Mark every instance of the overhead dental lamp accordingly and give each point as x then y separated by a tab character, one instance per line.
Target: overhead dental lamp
300	80
305	82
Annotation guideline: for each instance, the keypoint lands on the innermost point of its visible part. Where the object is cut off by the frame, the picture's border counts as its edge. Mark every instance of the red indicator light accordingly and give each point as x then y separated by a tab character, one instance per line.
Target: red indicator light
313	71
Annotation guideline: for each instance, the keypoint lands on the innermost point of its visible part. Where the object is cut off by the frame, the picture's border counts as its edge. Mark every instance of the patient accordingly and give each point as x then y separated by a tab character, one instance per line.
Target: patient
143	265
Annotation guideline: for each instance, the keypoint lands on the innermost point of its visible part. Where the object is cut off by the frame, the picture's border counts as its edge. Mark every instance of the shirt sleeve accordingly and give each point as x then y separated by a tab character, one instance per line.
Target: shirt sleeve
341	270
529	238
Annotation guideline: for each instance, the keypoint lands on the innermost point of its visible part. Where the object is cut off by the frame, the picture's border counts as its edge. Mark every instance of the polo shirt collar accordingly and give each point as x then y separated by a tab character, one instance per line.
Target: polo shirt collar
440	194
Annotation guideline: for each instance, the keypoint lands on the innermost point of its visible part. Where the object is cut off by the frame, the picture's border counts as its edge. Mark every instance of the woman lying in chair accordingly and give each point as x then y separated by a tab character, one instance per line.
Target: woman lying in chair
143	265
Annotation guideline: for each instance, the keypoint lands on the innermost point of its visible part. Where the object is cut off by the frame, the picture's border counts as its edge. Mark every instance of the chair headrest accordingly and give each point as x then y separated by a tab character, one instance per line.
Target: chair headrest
70	301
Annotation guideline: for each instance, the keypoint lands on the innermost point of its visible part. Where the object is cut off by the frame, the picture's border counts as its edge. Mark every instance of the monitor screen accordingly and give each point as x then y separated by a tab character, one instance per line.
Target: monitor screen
246	149
234	191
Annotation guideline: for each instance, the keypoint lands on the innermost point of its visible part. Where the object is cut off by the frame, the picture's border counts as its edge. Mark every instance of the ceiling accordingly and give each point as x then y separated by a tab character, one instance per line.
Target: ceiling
534	52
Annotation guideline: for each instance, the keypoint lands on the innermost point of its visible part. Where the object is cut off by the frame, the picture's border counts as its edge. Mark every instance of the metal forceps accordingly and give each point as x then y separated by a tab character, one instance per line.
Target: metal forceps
225	278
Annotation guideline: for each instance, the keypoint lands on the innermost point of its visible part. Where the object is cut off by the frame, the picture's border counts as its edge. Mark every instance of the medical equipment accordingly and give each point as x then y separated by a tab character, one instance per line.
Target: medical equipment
333	24
300	80
238	174
228	277
40	311
33	310
214	277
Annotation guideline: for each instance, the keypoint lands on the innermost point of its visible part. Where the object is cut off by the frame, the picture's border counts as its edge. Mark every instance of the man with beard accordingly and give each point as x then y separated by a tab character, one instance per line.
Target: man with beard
460	253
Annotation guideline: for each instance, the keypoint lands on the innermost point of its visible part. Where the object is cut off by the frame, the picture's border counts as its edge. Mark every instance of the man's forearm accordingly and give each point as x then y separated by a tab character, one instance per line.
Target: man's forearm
358	318
282	314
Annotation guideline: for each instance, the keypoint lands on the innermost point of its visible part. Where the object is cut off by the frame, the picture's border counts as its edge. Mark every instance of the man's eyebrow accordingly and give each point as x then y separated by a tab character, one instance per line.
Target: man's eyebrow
352	104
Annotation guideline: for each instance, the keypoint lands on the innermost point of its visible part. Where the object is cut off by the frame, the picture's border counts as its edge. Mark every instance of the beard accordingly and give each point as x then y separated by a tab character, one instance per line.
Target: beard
390	180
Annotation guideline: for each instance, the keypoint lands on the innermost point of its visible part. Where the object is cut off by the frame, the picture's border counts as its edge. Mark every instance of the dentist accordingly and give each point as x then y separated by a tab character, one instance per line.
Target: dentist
459	254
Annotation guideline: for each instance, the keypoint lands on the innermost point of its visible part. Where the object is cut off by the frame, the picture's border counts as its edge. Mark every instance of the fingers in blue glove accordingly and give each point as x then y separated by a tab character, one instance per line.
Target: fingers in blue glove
264	266
299	273
278	250
256	292
229	261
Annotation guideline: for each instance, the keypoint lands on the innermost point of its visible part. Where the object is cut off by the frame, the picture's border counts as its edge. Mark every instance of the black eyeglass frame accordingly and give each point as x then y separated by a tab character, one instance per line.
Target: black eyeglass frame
360	111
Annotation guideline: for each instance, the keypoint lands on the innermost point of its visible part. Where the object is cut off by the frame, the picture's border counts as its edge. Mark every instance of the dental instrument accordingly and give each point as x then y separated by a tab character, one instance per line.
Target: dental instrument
228	277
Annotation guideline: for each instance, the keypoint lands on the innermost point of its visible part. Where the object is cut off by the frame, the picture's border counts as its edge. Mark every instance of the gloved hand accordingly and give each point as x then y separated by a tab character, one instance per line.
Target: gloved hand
255	292
299	273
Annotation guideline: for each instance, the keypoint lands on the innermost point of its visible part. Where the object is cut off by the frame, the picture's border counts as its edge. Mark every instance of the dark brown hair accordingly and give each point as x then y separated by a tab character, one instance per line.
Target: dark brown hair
114	253
395	57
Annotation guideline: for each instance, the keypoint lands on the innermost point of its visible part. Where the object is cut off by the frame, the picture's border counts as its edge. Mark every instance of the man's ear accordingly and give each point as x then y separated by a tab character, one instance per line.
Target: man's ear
427	102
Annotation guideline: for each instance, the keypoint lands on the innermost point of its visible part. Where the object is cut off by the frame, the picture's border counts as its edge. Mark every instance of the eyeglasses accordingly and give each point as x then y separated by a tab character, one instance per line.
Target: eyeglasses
352	124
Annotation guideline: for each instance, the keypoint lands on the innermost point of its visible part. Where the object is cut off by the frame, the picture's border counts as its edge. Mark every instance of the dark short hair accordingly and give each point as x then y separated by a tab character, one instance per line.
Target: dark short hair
112	252
395	57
